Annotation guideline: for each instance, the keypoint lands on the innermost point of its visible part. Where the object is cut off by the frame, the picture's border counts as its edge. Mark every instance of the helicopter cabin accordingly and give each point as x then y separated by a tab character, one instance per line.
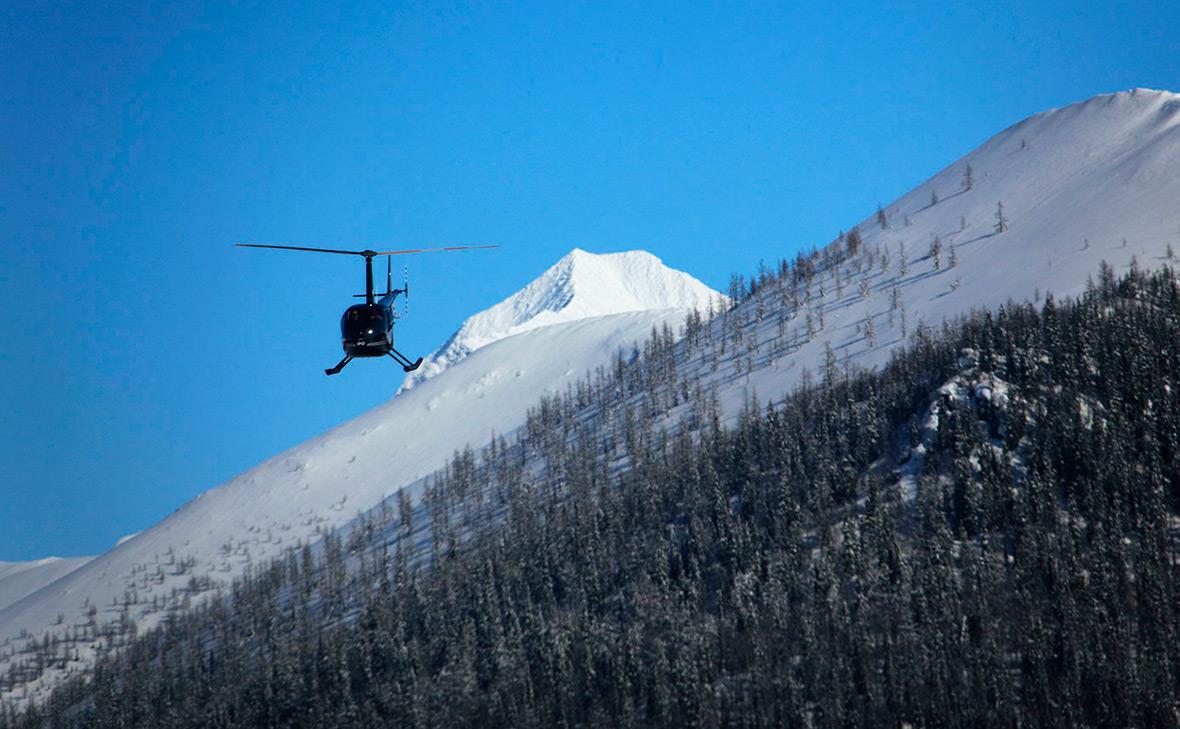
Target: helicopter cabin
365	330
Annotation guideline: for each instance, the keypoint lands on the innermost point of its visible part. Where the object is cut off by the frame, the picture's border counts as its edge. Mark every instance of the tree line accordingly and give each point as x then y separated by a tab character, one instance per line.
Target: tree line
981	533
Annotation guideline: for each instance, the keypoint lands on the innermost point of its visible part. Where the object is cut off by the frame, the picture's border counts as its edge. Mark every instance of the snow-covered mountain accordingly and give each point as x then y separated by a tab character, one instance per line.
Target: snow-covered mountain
579	286
1092	182
323	483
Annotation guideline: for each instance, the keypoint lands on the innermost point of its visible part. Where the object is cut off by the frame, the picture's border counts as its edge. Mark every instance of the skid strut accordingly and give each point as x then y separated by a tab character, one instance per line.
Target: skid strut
339	365
404	361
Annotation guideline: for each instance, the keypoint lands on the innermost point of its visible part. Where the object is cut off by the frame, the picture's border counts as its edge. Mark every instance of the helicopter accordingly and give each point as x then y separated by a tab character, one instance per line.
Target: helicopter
366	330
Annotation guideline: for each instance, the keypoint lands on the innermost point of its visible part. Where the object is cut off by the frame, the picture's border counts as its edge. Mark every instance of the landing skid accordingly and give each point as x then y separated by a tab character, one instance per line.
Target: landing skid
339	366
397	356
404	361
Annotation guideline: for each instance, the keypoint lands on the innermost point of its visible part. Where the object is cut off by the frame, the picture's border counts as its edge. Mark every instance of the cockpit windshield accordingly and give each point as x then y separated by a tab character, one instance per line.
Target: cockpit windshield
359	320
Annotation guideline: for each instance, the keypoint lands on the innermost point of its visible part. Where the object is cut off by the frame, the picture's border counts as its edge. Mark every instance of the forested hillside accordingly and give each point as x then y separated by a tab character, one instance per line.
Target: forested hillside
982	533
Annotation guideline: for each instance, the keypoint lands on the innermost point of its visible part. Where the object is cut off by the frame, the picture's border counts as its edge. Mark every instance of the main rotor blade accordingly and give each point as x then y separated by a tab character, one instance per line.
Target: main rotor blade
299	248
430	250
365	253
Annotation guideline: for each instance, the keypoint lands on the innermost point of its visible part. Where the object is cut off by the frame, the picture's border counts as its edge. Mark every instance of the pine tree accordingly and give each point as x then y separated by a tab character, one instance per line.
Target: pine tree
853	241
1001	221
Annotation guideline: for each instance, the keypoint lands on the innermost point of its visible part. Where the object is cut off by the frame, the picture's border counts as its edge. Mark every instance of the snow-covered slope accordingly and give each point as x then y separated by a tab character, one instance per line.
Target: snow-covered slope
325	482
1075	183
579	286
18	579
1097	181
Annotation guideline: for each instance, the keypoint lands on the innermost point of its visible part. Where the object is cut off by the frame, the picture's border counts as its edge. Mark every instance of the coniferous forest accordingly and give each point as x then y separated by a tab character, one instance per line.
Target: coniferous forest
981	534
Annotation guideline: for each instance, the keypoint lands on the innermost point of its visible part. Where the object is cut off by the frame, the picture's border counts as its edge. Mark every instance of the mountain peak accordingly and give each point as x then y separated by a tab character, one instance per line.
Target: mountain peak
581	285
1115	109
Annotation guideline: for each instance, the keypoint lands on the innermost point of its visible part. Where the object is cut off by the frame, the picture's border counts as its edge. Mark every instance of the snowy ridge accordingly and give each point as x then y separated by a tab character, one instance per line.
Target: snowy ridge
18	579
1093	182
579	286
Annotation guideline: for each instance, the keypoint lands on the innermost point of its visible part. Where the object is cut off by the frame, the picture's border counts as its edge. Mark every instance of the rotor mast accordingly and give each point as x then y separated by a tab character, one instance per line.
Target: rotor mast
368	276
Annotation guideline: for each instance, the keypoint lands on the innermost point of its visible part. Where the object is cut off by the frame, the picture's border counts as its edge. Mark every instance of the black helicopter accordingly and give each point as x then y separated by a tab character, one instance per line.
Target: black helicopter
366	330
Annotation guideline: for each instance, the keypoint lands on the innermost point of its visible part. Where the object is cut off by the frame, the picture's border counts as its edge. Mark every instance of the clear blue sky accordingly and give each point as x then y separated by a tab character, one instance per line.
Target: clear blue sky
143	360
